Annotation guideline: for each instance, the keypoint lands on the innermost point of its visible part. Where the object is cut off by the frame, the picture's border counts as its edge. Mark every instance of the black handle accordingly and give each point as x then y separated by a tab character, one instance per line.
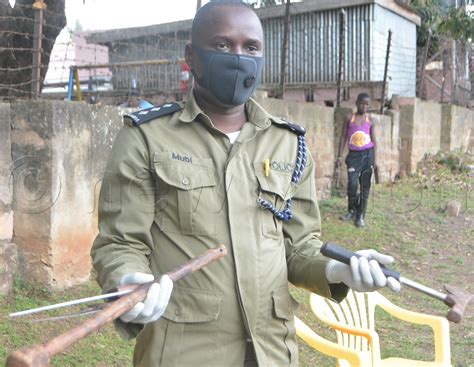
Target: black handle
339	253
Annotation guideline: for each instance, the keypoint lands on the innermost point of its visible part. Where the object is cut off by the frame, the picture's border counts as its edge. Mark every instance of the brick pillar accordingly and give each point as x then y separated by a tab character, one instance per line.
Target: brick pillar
59	151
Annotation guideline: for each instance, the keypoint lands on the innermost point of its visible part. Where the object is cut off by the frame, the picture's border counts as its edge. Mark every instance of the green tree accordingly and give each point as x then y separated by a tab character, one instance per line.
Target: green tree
442	21
457	23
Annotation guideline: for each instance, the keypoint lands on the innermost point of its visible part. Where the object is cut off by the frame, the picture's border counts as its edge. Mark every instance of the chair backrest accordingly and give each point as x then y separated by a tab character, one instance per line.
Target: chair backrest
355	310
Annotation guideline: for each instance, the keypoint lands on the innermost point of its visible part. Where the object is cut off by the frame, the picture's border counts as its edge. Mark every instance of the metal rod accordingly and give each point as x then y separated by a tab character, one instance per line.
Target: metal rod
39	7
131	63
342	57
423	289
284	50
387	57
70	303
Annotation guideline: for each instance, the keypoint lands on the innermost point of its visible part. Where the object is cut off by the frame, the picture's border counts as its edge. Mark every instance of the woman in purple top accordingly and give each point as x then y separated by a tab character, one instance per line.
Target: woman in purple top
358	132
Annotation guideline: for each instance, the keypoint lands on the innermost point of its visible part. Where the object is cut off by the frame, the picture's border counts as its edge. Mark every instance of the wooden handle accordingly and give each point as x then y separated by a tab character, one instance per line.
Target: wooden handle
40	355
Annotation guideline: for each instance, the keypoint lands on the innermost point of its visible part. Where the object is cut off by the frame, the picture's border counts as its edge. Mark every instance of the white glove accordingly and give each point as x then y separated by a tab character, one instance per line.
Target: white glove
154	305
364	273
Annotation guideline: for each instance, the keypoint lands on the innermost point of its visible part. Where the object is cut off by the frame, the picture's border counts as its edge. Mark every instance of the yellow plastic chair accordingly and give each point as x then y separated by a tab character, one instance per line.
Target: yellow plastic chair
358	342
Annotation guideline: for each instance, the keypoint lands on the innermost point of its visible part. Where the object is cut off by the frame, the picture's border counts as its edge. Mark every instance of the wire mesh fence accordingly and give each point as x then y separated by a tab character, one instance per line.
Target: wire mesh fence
116	72
147	65
147	61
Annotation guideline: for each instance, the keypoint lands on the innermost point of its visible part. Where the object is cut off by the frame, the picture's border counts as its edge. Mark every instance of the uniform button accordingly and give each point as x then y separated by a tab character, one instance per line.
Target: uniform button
186	181
177	312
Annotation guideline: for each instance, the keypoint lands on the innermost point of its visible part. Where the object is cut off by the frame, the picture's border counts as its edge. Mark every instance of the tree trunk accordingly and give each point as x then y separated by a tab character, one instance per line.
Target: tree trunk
16	43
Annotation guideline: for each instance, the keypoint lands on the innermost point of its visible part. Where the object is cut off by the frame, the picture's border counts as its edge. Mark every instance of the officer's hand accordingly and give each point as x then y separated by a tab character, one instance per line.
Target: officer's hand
364	273
154	305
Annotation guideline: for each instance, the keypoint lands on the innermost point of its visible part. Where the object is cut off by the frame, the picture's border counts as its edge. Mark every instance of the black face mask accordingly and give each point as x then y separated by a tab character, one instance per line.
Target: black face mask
231	78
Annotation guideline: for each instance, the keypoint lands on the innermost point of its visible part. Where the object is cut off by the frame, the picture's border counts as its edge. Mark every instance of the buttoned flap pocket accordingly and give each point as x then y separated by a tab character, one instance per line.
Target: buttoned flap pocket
284	304
275	188
188	305
276	182
188	174
186	189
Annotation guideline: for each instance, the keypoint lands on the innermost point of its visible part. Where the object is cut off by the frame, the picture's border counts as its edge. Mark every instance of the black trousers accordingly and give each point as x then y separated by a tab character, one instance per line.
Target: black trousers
359	173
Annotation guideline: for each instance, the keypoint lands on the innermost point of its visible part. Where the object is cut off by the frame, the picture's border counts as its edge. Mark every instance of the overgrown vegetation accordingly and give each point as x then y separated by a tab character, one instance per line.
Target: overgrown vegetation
453	169
403	220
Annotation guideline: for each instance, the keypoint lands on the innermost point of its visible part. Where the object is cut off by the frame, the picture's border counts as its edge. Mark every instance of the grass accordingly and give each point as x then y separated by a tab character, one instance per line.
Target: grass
104	346
429	246
407	222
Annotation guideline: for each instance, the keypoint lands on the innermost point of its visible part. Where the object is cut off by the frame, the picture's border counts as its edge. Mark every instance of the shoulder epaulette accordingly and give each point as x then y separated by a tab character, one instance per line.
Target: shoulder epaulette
297	129
148	114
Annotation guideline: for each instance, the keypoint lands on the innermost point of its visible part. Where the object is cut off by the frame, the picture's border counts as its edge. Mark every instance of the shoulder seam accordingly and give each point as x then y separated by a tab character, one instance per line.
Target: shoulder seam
149	114
295	128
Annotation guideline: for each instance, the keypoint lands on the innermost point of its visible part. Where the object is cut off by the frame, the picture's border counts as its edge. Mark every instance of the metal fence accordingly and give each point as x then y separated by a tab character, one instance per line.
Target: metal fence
31	68
151	62
445	71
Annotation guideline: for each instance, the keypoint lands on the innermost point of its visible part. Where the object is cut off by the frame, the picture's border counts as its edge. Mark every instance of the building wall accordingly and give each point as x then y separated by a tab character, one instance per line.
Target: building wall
72	50
402	60
313	52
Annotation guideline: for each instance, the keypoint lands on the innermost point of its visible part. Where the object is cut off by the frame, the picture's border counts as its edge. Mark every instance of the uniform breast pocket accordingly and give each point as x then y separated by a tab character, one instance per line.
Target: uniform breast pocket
186	195
276	188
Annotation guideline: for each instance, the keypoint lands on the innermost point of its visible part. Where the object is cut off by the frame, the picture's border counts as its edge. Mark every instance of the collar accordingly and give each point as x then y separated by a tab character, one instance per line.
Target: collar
256	114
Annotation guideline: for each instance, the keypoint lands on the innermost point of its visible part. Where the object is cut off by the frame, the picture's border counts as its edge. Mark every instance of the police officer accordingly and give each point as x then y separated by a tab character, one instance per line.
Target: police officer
183	178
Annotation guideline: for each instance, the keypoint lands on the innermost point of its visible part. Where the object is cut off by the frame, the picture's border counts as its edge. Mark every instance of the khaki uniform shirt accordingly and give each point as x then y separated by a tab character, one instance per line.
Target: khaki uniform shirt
175	187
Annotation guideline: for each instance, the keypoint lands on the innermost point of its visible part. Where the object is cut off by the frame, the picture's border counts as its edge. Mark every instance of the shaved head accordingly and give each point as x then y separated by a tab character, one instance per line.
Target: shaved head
224	28
206	14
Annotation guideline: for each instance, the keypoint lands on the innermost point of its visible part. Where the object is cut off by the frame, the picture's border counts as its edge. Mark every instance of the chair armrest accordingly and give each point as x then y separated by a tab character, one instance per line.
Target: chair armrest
326	346
371	335
439	325
352	330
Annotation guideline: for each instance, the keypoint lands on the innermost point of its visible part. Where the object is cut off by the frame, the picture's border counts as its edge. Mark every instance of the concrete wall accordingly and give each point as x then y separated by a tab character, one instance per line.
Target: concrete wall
471	140
420	131
387	135
6	213
8	252
60	150
456	128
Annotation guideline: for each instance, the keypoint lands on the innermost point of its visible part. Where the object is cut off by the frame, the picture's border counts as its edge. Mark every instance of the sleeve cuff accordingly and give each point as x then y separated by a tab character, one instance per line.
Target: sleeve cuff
338	291
127	330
